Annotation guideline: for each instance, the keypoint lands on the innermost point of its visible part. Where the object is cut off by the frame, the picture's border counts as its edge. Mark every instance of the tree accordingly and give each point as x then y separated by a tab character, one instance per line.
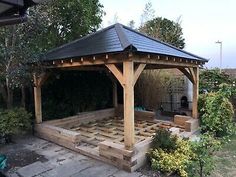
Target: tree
115	19
12	68
19	45
148	13
131	24
216	112
210	80
202	163
69	20
165	30
49	25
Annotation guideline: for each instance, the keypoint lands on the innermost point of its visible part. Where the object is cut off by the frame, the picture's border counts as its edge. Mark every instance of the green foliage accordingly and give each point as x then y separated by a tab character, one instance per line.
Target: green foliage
164	140
211	79
157	83
171	162
14	121
70	92
49	25
166	30
131	24
216	112
70	20
148	13
202	163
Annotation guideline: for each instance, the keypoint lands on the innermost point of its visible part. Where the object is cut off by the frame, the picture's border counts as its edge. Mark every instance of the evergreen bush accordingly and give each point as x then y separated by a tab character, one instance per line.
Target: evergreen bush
14	121
216	112
171	154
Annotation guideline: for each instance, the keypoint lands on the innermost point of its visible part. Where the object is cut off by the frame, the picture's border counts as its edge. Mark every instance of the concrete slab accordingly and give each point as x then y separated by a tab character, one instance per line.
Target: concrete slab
33	169
68	170
121	173
12	175
97	170
62	162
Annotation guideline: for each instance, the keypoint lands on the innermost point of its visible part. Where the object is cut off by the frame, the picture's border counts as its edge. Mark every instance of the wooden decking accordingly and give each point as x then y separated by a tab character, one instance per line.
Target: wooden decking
100	135
112	129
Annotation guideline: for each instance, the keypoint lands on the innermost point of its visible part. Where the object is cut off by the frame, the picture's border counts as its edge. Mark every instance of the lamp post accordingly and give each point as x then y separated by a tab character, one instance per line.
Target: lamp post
220	42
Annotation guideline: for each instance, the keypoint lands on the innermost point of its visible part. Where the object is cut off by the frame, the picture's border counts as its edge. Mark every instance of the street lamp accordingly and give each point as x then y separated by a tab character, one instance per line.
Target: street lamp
220	42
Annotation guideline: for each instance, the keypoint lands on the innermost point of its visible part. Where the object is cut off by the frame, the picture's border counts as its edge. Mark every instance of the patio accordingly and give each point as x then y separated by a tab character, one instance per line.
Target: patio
100	135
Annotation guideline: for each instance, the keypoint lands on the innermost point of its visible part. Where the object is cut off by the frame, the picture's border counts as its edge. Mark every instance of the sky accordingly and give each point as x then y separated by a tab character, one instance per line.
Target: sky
203	21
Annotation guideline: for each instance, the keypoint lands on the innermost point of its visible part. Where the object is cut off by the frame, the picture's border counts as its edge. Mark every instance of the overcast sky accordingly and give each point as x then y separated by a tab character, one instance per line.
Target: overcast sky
203	21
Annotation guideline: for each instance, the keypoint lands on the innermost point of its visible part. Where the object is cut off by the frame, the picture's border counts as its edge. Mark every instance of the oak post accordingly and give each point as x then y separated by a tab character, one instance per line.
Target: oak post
37	100
195	93
129	134
38	82
38	104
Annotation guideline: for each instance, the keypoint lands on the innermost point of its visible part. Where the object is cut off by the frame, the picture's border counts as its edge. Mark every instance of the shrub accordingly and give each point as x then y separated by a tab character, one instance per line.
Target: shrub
217	112
171	161
14	121
203	162
164	140
211	79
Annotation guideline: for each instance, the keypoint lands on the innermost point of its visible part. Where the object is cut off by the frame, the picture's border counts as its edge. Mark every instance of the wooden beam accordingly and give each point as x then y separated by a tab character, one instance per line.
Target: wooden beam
110	75
37	100
192	74
116	72
160	60
138	71
114	86
85	68
88	61
187	74
195	93
38	82
42	78
154	66
129	133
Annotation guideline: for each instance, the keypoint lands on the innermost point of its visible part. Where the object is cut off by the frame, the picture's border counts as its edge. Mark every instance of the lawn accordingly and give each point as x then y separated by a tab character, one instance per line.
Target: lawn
225	160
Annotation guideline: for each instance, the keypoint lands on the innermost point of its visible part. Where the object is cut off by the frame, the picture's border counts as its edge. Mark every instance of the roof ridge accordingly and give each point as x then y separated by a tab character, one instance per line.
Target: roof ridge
80	39
125	43
169	45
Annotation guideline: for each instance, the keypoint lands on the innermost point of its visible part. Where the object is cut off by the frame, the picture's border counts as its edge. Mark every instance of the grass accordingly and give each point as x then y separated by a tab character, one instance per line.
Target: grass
225	160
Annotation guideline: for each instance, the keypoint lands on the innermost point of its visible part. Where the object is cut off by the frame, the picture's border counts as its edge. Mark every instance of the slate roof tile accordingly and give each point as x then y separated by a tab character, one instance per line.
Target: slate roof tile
113	39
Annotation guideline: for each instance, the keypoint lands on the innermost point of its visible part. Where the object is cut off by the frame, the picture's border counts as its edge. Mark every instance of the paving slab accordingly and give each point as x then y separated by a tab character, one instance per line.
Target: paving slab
12	175
33	169
122	173
62	162
98	170
69	169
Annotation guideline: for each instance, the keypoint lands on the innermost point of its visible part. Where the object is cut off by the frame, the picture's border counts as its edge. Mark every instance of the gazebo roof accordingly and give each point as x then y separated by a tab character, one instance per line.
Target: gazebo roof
114	39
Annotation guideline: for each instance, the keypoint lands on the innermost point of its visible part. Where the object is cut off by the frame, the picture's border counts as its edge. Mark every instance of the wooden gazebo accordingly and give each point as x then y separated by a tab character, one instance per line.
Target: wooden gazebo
124	53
